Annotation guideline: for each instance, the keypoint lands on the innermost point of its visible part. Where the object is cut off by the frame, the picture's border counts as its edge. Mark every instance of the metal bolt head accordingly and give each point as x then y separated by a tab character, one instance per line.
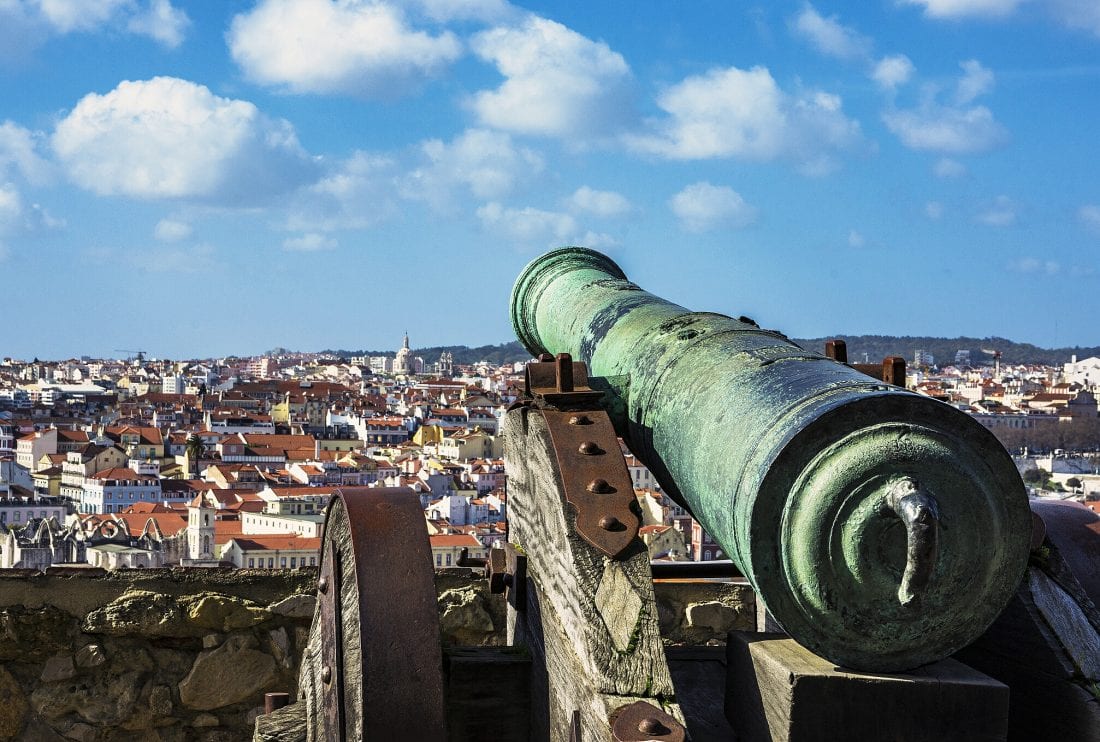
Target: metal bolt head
610	523
326	674
653	726
600	487
580	420
322	585
589	448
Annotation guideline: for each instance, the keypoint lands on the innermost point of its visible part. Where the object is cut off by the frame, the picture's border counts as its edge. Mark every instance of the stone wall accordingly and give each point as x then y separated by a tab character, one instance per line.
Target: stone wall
181	654
187	654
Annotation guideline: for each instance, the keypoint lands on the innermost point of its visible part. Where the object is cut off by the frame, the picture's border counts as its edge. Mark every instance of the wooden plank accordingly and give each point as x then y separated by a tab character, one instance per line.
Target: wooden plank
488	693
780	692
591	622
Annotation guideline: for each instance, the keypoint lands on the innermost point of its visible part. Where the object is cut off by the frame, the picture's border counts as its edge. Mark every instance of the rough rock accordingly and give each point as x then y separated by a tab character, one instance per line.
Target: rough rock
295	606
140	612
210	641
97	700
204	720
463	616
713	615
160	700
280	647
229	674
81	732
58	667
89	656
13	706
28	634
223	612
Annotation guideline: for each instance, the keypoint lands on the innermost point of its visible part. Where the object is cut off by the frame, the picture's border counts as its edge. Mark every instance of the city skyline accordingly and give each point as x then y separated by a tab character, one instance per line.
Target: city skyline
204	179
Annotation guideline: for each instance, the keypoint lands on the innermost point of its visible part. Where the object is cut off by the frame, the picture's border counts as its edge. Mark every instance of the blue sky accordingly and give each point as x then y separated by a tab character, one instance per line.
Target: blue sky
198	179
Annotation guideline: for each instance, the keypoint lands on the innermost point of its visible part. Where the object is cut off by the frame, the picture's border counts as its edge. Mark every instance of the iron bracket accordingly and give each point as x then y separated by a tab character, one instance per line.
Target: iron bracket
593	471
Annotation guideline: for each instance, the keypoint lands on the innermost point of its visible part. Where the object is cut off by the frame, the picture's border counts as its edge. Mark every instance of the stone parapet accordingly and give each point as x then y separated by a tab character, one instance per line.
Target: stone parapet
187	653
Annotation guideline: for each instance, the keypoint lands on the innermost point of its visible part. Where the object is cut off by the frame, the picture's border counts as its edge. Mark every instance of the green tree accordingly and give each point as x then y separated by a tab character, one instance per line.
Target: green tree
1073	483
195	449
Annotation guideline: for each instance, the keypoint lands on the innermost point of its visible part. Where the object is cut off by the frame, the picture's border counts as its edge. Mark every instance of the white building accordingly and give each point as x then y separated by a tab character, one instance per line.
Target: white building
1085	372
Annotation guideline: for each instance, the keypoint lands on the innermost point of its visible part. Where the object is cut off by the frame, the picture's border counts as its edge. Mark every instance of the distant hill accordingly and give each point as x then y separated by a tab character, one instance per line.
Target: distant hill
943	350
876	347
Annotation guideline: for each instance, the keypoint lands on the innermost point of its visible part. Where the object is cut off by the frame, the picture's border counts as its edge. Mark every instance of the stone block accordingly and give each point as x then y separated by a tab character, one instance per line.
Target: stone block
777	691
59	667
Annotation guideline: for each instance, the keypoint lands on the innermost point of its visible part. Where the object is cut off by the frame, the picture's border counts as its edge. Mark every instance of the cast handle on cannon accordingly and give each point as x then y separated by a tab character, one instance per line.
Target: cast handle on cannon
920	514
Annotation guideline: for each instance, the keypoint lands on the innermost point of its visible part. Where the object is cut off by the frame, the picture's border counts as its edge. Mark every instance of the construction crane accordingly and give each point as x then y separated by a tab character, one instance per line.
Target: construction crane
996	361
138	354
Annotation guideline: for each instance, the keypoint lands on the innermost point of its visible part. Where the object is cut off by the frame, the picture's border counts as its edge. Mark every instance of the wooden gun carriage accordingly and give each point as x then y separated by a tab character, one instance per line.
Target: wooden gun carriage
585	659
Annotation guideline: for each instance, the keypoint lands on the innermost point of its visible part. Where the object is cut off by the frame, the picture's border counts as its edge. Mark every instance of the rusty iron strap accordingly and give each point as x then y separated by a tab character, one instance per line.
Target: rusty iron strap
382	662
595	478
642	722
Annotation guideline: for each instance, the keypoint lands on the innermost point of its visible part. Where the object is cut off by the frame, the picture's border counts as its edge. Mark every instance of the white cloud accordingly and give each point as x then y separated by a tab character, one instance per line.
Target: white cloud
1089	216
976	80
311	242
162	22
701	207
17	217
355	194
171	138
78	15
487	11
1000	213
320	46
1079	14
38	19
18	151
829	36
933	210
535	227
939	128
945	167
171	230
558	82
1035	266
528	225
742	113
966	8
856	239
601	203
893	71
486	162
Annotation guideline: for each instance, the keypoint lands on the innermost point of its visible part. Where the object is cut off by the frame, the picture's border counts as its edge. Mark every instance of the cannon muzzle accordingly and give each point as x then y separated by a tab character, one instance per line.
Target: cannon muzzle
882	529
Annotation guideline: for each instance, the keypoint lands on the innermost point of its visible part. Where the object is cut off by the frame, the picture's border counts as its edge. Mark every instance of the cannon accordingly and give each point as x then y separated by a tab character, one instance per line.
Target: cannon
882	529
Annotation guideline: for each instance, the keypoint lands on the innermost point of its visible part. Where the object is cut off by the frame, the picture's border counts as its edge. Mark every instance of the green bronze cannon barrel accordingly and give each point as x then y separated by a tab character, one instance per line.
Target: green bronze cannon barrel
882	529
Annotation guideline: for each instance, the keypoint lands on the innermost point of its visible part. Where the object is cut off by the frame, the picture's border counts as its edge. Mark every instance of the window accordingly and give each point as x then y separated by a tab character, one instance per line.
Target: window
293	562
271	562
448	560
282	562
251	562
313	561
439	560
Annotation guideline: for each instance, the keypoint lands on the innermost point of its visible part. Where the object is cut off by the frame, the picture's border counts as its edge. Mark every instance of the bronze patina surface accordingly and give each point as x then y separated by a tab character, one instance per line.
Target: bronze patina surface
883	529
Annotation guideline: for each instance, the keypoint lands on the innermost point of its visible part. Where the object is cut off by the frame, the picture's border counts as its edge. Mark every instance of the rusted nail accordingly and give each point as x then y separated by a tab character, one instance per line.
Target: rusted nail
326	674
652	726
600	487
590	448
580	420
610	523
275	701
322	585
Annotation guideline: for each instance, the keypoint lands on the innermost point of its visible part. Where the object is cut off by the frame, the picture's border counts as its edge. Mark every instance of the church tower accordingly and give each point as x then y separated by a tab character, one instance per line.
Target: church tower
200	530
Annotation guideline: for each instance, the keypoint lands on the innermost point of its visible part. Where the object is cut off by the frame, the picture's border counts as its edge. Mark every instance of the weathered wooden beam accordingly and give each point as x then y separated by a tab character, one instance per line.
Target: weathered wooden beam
591	622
